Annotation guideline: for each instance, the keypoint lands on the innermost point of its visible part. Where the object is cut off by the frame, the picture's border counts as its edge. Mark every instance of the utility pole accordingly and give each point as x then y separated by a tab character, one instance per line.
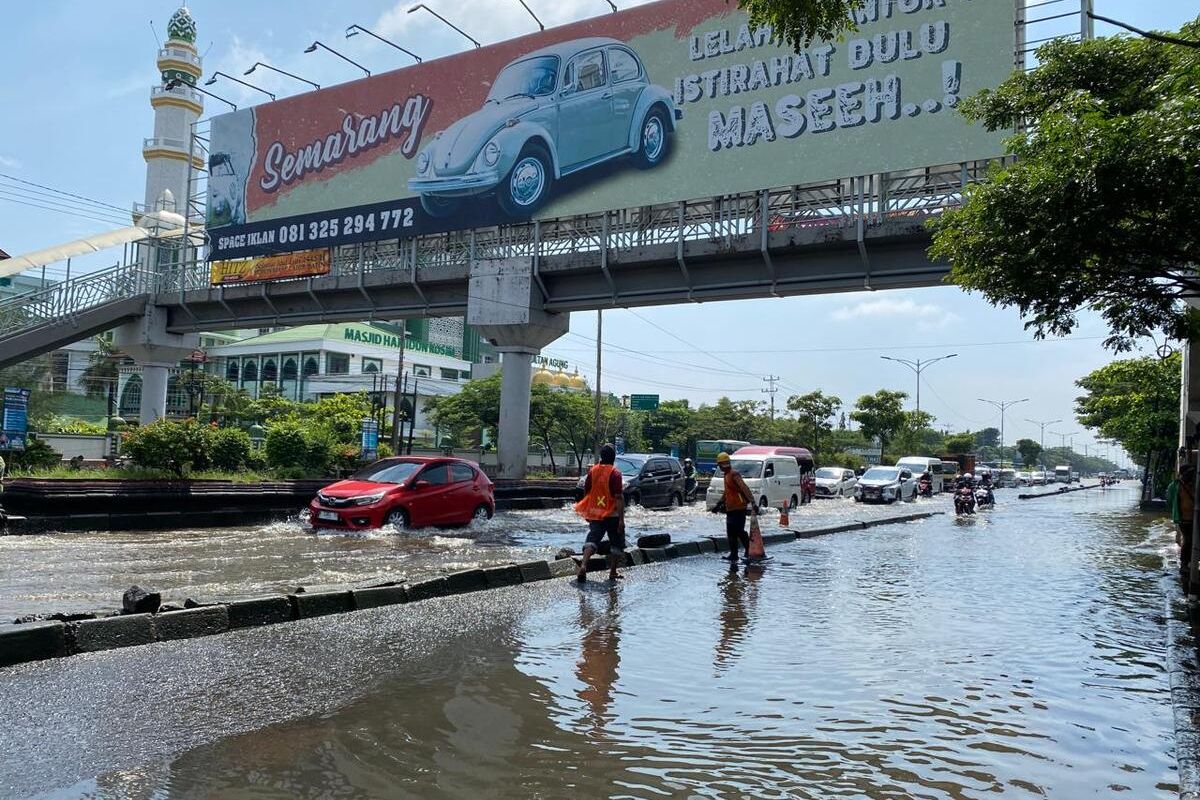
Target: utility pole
399	394
917	366
599	336
1042	437
771	389
1003	406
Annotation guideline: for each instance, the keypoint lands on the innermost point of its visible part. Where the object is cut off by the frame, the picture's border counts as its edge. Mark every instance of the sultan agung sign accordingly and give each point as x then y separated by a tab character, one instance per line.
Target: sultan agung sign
669	101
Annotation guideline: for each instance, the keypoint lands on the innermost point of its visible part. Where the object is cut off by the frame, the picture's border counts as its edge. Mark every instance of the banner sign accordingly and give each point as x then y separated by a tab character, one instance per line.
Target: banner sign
668	101
270	268
16	419
369	439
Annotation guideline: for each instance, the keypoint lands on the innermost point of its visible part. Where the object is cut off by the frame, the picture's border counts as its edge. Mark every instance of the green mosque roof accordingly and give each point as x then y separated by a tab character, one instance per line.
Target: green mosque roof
182	27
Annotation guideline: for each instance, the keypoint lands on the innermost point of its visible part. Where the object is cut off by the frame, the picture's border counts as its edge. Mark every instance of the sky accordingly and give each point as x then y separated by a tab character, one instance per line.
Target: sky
75	93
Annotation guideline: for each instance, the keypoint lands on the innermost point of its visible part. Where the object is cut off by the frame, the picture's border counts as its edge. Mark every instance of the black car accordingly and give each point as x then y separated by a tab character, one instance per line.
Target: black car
650	479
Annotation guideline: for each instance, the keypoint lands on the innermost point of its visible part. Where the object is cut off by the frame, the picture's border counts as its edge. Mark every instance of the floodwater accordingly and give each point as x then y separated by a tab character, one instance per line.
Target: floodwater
1015	654
70	572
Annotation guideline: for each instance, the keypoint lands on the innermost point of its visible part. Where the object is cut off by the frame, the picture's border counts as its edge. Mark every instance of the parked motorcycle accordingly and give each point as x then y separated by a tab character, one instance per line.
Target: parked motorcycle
964	500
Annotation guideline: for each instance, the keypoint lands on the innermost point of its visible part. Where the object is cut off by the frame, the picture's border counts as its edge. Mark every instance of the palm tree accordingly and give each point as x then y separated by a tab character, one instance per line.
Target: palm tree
101	371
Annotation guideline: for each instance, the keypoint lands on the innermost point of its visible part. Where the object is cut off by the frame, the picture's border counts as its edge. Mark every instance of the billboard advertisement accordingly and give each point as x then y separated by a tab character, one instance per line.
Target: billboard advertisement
669	101
301	264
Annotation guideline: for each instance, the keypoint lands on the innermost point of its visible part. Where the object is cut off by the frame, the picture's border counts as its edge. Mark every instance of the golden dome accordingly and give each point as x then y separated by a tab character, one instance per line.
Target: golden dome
543	376
576	381
560	379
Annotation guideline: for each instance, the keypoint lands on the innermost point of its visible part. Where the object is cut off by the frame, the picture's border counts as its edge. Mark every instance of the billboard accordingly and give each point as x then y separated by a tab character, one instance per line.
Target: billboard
300	264
669	101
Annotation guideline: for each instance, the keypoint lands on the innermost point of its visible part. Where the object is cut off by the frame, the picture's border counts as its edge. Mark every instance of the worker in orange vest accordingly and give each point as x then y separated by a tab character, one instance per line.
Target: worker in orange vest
738	502
603	506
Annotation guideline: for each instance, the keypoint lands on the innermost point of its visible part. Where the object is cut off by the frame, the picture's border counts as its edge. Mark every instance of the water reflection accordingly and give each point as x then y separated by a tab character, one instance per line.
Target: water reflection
599	652
739	596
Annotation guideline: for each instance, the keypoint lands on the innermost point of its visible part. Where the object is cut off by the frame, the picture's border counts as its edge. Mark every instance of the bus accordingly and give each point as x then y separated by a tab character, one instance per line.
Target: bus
707	449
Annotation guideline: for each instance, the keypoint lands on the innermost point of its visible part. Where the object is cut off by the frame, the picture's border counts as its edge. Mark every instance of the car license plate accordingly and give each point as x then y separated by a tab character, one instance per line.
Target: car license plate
329	515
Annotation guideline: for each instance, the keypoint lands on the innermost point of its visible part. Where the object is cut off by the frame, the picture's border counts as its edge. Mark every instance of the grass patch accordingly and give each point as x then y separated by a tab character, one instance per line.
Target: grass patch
138	473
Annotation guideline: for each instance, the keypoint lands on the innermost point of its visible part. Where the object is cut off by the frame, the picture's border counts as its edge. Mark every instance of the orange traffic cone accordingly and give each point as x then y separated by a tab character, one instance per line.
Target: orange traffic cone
783	514
756	551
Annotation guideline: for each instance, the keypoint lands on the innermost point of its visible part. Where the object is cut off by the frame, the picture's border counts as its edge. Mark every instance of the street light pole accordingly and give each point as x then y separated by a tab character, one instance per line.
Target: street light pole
354	29
918	366
420	6
1042	437
1003	405
258	64
312	48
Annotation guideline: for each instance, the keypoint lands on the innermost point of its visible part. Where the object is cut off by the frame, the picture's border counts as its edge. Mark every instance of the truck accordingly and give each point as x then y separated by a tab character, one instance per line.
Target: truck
1062	474
965	463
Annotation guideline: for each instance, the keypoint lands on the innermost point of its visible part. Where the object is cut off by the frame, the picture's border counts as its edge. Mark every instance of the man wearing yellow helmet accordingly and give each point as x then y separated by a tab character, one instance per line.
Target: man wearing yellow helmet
738	501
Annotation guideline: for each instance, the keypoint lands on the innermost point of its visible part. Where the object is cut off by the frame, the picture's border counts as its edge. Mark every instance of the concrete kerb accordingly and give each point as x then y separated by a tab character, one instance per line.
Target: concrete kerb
32	641
37	641
1184	680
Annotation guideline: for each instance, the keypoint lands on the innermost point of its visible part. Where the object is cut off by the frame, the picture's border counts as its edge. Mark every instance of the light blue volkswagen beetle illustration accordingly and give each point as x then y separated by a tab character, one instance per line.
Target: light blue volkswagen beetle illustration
549	114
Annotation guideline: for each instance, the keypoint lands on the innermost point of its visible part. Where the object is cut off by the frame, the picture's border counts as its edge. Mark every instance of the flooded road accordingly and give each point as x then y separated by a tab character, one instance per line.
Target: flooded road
67	572
1016	654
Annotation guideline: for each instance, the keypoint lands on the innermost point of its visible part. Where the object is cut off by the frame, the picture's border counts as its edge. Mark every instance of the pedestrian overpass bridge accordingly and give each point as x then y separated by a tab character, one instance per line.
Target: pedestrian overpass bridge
517	283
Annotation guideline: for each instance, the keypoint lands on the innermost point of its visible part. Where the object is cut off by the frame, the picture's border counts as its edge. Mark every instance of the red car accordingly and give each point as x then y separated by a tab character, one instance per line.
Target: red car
406	492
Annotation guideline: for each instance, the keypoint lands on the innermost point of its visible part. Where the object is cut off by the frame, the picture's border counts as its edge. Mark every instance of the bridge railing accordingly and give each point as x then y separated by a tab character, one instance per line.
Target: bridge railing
846	202
55	303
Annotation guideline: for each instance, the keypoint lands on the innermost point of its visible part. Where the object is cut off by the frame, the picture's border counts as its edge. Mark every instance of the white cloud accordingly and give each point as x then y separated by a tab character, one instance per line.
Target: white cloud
10	163
927	316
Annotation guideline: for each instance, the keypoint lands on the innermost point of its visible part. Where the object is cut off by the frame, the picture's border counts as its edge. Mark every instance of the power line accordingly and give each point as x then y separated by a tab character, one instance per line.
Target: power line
59	211
61	191
10	193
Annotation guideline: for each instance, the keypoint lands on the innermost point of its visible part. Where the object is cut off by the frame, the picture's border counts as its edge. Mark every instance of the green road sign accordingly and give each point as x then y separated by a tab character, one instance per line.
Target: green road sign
643	402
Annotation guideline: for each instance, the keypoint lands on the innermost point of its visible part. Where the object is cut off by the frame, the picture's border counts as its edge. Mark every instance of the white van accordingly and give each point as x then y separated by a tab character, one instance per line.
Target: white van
774	480
919	464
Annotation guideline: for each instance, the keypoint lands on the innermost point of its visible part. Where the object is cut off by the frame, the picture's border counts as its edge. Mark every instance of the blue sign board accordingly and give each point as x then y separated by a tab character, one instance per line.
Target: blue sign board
16	419
369	440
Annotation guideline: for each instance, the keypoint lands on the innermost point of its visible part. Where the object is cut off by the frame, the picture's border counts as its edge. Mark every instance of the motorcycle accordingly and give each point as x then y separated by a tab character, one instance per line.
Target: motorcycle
984	498
925	487
689	489
964	501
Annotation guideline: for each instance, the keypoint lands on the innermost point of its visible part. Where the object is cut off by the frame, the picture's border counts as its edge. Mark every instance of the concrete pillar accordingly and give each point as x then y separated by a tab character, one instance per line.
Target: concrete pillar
504	307
154	392
516	380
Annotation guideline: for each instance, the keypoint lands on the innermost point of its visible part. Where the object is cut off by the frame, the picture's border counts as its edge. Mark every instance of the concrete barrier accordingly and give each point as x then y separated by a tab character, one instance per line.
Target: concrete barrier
259	611
503	576
32	641
191	622
779	538
720	544
425	590
635	557
319	604
683	549
376	596
707	546
655	554
535	571
468	580
107	633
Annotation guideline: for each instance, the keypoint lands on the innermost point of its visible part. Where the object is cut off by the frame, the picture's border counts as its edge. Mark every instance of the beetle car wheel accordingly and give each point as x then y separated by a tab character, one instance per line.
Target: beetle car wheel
440	206
655	140
396	519
528	183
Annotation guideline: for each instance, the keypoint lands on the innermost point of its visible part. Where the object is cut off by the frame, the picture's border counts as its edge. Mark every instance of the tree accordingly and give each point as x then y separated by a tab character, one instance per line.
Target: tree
915	437
1029	450
797	22
100	375
988	437
1135	402
1098	209
959	443
815	409
880	415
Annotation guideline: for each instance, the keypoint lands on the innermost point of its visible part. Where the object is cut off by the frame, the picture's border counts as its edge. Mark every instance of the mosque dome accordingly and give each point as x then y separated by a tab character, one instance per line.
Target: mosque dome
543	377
182	27
561	380
576	381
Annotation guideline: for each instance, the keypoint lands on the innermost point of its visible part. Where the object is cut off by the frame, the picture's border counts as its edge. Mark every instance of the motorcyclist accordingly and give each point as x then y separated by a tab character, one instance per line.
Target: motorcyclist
966	479
689	478
925	484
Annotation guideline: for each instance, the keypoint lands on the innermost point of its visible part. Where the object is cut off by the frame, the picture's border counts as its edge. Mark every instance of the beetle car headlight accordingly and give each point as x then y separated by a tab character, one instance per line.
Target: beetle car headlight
422	162
491	154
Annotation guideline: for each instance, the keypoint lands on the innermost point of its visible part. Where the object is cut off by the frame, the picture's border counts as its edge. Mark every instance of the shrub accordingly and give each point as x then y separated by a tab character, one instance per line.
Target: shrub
291	446
256	460
167	444
230	449
36	455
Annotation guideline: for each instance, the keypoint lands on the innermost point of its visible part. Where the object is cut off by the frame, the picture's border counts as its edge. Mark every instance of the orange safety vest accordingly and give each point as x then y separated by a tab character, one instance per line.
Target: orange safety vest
735	500
599	502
